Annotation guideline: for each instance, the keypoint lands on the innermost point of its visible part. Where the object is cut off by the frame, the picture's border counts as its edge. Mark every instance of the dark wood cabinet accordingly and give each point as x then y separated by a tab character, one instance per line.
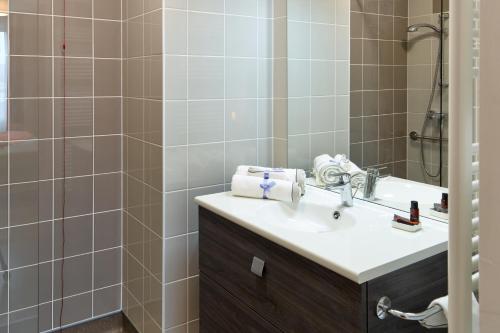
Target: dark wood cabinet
295	294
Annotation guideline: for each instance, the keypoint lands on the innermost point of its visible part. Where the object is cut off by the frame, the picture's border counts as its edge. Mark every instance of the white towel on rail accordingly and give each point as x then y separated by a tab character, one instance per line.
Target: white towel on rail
440	319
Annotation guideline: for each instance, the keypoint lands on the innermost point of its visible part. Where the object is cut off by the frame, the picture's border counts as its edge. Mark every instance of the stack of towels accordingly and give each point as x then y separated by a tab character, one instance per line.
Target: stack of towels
265	183
326	169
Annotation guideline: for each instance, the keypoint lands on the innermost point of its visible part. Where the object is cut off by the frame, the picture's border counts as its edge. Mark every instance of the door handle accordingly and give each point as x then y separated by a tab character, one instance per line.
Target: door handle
257	267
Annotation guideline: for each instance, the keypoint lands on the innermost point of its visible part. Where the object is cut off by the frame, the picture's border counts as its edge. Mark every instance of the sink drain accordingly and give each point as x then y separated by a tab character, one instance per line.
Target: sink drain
336	215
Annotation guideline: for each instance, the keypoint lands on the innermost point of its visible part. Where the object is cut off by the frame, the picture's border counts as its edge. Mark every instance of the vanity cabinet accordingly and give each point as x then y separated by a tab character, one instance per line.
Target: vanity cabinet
295	294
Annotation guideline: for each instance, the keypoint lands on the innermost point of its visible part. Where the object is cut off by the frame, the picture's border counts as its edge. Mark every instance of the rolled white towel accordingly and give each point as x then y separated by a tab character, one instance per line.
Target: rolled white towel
292	175
264	188
440	319
326	167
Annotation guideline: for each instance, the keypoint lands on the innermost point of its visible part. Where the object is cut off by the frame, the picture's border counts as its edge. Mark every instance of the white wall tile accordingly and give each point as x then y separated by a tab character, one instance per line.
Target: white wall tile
241	36
342	113
175	34
175	123
175	77
265	121
206	78
178	4
193	207
242	7
323	11
342	77
206	5
299	39
322	143
299	115
239	153
299	151
265	152
323	114
323	41
175	165
322	78
175	300
241	119
206	165
193	267
299	78
342	12
265	78
342	46
205	34
206	121
265	38
241	78
299	10
175	258
342	142
175	206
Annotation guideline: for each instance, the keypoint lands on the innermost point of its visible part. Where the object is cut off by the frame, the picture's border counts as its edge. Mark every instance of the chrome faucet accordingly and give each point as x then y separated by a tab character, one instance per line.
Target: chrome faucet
344	184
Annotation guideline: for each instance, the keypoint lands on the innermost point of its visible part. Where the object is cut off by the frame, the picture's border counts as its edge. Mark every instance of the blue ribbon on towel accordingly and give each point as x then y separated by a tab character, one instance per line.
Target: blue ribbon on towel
266	185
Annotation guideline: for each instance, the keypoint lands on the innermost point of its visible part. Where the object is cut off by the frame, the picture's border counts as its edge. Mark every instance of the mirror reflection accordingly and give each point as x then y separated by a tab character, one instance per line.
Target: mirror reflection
368	95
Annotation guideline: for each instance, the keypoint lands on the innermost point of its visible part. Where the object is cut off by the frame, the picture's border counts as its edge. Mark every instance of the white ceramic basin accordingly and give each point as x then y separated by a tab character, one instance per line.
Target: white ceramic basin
360	245
306	217
398	193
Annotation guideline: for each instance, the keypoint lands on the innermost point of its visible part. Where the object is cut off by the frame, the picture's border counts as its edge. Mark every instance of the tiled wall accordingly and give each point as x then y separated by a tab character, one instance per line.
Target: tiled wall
379	84
218	107
34	158
422	57
318	80
142	164
279	83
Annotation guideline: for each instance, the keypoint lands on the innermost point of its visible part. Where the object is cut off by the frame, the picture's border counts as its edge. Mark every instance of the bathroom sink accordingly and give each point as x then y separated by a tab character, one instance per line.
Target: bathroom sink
306	217
360	245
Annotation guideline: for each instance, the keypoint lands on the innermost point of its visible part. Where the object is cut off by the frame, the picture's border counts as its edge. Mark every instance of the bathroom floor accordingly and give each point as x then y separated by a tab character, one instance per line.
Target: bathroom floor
117	323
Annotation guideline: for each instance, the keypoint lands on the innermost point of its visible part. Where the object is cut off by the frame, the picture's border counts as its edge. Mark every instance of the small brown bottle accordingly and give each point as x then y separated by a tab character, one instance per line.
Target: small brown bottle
444	201
414	212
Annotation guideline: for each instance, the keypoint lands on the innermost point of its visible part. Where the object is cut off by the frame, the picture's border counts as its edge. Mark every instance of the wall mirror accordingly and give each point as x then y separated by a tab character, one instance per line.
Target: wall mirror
368	79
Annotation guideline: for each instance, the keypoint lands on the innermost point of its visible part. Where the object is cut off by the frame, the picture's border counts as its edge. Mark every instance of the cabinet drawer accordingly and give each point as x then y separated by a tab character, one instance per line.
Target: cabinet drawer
221	312
294	294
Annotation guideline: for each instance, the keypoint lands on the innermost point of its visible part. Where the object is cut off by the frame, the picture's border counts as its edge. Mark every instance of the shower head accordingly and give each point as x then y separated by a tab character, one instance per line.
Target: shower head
416	27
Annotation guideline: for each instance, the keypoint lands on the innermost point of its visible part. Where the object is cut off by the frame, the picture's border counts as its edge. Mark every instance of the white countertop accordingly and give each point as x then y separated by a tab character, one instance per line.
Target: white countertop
361	245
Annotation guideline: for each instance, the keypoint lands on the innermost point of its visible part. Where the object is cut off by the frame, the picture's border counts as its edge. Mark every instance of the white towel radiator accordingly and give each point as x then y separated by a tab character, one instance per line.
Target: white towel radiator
464	165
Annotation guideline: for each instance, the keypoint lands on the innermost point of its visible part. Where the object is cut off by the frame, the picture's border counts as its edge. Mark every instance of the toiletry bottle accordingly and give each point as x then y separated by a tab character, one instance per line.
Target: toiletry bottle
444	201
414	212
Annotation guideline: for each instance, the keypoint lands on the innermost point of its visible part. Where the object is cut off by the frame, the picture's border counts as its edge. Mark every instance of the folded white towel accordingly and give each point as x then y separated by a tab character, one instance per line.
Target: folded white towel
265	188
292	175
440	319
326	167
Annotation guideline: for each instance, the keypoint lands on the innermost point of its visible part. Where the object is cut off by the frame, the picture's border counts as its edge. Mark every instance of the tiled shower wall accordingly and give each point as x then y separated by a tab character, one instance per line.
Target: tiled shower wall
142	164
318	80
218	114
422	57
378	84
34	158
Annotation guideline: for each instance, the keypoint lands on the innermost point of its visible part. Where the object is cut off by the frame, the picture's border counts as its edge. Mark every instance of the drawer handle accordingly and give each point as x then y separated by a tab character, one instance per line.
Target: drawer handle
258	266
